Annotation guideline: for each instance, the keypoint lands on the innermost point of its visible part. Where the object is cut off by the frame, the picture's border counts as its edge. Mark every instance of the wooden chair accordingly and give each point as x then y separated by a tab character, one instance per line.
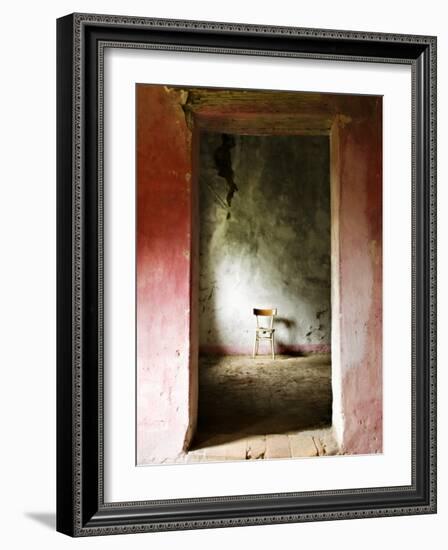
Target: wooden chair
263	332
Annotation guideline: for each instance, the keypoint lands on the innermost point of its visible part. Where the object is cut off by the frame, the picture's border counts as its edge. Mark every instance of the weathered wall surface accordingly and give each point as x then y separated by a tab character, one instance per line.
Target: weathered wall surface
360	264
167	250
164	168
264	240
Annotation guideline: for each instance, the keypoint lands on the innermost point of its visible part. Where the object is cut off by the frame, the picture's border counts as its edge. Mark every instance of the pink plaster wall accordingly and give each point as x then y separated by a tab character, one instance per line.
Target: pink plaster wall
164	168
167	272
360	241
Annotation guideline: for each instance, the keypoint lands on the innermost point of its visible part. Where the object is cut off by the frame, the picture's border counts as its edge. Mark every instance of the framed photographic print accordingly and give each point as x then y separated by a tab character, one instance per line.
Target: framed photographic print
246	274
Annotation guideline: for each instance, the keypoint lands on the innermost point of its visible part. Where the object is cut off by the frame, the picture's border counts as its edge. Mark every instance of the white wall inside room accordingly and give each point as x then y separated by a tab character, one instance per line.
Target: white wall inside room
270	247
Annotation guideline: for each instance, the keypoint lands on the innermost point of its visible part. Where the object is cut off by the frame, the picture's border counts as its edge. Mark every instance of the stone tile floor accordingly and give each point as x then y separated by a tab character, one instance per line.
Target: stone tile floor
261	408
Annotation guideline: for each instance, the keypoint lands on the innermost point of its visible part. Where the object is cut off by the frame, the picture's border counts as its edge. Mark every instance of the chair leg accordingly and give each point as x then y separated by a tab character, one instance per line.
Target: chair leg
255	347
272	347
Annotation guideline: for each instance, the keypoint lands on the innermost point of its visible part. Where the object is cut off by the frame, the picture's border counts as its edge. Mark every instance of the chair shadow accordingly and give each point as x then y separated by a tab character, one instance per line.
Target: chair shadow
47	519
281	345
290	324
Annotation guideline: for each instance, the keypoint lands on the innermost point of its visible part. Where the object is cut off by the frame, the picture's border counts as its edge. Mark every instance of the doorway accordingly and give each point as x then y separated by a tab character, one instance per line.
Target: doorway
264	241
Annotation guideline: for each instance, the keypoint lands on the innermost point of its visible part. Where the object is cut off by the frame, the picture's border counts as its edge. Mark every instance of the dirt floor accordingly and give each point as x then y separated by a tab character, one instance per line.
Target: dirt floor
263	408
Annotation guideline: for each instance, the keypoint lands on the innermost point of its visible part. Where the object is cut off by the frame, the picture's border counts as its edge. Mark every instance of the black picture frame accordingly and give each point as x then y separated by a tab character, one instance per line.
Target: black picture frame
81	510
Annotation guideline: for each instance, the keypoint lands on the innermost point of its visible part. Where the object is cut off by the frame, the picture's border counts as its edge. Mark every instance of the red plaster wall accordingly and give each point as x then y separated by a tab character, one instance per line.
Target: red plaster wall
167	275
164	168
360	241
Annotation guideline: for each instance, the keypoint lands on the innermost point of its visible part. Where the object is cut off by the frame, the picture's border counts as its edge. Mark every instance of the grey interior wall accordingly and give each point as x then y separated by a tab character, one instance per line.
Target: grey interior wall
264	240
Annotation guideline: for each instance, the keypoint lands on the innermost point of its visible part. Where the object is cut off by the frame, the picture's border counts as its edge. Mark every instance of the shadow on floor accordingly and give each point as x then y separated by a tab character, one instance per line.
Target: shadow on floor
241	396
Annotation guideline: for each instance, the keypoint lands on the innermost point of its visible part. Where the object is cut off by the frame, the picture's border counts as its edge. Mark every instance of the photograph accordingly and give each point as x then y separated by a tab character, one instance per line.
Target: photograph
258	274
223	231
246	250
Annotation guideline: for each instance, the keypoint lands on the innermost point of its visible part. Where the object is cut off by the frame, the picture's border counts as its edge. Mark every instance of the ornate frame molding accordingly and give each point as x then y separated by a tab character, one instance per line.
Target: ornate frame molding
81	42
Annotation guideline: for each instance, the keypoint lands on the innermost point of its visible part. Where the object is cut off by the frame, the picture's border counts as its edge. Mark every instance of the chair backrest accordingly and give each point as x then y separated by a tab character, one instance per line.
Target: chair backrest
265	313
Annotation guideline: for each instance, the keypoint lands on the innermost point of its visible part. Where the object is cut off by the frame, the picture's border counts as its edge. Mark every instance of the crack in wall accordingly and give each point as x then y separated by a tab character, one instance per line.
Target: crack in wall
223	163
